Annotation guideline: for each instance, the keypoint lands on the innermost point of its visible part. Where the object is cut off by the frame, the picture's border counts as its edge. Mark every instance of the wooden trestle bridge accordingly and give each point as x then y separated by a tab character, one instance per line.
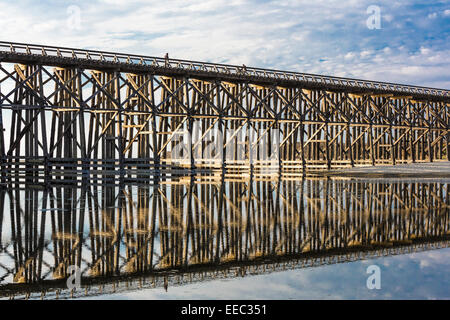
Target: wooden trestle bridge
72	114
170	234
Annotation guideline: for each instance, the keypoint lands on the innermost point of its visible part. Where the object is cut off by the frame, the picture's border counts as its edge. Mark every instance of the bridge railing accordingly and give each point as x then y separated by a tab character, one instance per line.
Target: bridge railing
111	57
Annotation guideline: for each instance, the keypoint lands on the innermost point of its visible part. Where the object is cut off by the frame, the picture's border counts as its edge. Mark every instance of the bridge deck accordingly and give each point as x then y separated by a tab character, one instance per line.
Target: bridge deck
108	61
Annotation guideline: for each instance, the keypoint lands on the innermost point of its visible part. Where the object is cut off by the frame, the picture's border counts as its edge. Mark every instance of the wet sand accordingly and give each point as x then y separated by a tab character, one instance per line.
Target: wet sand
422	170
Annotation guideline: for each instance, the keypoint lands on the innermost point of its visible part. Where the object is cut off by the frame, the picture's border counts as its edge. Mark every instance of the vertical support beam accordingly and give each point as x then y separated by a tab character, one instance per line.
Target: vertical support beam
391	135
84	155
368	110
302	108
2	149
156	157
190	126
43	126
429	144
249	146
119	120
349	144
222	138
326	112
411	133
302	144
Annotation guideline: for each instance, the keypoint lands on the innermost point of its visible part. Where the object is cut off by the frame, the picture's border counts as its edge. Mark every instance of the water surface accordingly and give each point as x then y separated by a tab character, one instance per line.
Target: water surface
192	239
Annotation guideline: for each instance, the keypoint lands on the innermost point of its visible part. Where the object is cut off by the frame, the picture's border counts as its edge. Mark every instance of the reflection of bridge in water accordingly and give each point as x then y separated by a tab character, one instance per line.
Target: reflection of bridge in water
174	233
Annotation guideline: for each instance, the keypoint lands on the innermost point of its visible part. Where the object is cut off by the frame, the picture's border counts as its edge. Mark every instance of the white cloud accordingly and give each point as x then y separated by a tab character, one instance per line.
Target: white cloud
425	51
273	34
388	17
350	55
365	53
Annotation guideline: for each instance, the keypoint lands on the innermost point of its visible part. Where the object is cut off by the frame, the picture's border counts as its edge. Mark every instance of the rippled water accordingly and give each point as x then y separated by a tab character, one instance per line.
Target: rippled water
191	239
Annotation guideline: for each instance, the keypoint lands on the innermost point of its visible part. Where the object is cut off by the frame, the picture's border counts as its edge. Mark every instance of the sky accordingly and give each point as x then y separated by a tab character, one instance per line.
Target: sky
409	45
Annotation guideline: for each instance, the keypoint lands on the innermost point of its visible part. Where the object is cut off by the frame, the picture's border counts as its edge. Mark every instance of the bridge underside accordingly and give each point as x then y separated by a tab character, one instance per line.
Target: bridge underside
72	123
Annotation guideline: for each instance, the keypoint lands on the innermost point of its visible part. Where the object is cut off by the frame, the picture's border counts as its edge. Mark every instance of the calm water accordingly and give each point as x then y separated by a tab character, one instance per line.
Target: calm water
305	239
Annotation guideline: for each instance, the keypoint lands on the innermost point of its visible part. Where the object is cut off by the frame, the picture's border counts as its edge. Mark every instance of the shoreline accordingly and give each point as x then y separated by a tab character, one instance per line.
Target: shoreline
412	170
